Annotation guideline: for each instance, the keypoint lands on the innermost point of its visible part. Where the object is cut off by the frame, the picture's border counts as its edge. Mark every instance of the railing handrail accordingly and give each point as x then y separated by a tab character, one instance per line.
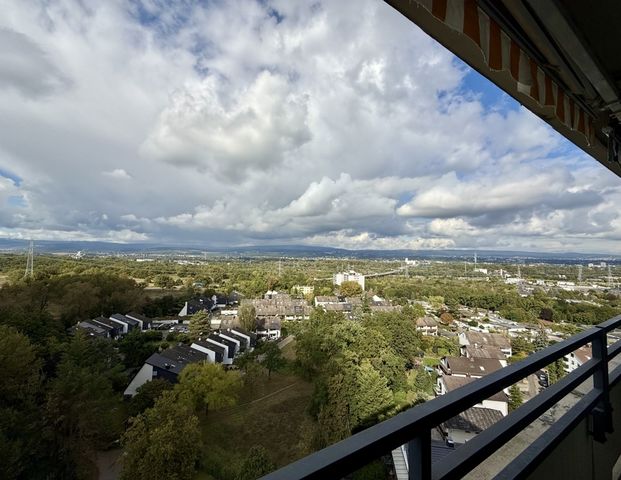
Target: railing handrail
356	451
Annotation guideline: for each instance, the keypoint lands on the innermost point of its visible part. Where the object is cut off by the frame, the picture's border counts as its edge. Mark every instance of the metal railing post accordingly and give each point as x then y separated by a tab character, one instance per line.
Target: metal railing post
601	417
419	456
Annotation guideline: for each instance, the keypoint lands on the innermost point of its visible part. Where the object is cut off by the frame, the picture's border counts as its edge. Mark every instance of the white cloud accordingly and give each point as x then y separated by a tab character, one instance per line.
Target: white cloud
118	173
239	125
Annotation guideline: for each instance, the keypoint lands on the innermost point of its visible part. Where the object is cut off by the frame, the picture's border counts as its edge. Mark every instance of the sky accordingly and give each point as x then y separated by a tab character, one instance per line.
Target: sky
246	122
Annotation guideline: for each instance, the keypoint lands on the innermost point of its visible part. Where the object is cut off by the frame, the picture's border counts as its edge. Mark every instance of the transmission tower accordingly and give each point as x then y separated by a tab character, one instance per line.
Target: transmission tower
609	277
280	267
579	273
475	260
30	261
519	273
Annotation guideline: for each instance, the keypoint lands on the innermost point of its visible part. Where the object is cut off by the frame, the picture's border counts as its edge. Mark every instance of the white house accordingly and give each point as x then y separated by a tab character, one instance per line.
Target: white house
227	357
498	401
230	337
427	326
577	358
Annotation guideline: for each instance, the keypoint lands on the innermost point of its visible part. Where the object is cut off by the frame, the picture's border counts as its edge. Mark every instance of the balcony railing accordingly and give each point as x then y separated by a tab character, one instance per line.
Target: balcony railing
413	427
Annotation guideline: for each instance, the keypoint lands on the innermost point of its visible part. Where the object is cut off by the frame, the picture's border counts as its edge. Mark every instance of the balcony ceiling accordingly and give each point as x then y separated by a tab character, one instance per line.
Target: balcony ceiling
572	45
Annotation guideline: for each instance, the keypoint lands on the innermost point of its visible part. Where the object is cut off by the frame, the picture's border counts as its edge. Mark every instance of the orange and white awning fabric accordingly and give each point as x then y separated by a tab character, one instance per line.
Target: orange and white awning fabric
501	53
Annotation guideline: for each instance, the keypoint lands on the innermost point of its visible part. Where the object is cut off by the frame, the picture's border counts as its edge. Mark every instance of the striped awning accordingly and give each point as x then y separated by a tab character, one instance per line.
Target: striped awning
502	54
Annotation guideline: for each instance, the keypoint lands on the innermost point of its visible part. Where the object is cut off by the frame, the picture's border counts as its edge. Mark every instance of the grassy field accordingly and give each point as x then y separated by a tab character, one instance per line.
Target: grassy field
272	413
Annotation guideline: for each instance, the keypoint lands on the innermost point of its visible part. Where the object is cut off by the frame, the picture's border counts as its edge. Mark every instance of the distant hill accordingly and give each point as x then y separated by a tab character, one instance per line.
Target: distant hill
302	251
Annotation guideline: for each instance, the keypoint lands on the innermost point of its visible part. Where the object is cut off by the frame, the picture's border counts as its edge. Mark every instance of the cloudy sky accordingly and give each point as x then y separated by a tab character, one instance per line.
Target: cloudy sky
333	123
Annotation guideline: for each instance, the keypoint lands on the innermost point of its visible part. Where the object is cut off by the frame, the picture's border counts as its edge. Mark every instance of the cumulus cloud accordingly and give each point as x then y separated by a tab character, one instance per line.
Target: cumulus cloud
229	132
274	121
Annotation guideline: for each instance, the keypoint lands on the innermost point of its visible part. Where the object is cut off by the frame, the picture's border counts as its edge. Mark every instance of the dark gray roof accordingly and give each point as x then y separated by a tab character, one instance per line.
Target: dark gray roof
123	318
487	339
100	324
139	317
472	366
453	383
475	419
106	321
229	343
176	358
484	352
92	328
242	340
439	450
211	346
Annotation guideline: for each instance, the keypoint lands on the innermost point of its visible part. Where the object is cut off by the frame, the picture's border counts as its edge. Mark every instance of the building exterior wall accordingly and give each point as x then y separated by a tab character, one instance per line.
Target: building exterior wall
211	355
226	360
348	277
123	325
460	436
144	375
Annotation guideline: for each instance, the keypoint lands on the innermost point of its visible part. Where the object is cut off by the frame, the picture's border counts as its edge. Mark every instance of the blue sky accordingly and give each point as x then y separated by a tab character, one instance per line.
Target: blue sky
246	122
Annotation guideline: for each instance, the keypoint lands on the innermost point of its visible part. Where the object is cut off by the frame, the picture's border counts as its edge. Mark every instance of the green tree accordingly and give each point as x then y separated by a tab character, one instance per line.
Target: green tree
200	325
272	359
541	340
515	398
521	346
556	371
371	398
19	421
350	288
84	411
333	418
247	316
147	394
256	464
209	386
137	346
164	442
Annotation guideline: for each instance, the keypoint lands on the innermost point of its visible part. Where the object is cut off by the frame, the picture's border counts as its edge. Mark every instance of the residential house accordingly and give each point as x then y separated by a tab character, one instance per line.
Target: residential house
427	326
303	289
126	324
230	346
92	329
215	353
468	424
448	383
165	365
323	300
195	305
281	306
475	351
268	327
478	339
577	358
468	367
145	322
114	329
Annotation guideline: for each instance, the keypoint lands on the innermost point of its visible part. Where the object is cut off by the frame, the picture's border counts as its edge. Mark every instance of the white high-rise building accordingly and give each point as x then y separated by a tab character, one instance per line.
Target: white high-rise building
350	276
